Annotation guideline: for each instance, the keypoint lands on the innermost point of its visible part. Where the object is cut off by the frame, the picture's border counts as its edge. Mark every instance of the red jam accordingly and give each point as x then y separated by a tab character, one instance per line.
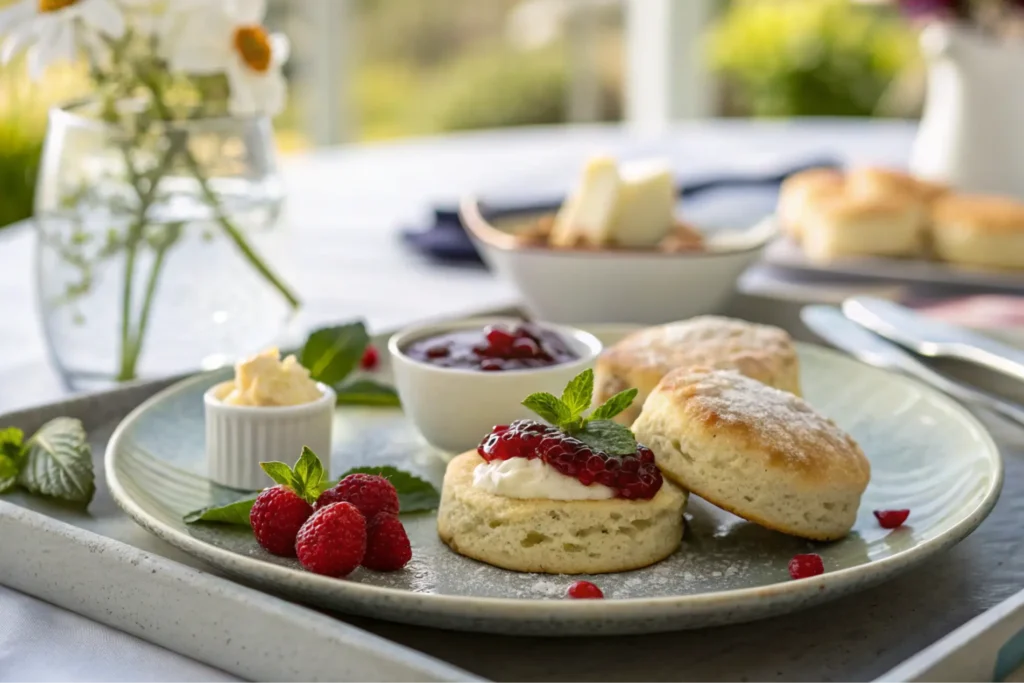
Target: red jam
494	349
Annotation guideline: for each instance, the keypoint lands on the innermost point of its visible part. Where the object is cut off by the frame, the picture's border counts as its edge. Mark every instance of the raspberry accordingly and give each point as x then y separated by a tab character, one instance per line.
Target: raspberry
276	517
632	476
805	566
370	359
584	590
387	545
370	493
891	519
333	541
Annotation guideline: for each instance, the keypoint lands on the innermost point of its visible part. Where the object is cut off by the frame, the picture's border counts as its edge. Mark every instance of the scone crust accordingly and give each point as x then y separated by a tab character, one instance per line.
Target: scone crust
556	537
762	352
758	452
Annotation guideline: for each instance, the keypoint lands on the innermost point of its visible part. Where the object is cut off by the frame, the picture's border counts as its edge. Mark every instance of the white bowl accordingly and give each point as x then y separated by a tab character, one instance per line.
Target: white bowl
579	286
453	408
239	438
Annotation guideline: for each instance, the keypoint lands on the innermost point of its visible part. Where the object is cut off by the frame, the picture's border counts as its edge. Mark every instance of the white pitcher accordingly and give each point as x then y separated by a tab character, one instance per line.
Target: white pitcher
972	131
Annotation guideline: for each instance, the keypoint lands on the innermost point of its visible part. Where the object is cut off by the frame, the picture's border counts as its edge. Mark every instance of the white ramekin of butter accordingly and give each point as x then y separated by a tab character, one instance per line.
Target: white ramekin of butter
268	412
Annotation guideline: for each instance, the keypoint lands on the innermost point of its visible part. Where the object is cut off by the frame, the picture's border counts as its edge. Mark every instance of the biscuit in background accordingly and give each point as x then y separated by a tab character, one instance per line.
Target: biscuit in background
979	230
859	225
760	453
874	181
800	189
763	352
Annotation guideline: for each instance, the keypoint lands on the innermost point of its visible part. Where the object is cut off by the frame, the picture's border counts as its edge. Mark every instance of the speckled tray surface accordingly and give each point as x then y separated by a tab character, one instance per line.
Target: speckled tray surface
927	454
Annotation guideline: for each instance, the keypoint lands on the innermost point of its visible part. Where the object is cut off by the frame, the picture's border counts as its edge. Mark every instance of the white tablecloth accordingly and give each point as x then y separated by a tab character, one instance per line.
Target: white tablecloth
346	206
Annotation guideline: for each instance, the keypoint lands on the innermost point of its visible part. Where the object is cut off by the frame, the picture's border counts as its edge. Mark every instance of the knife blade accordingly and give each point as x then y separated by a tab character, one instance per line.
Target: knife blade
830	324
933	338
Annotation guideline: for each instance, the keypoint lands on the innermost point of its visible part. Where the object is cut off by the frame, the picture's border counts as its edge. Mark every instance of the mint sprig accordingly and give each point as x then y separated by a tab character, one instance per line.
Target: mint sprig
55	462
308	479
332	354
596	430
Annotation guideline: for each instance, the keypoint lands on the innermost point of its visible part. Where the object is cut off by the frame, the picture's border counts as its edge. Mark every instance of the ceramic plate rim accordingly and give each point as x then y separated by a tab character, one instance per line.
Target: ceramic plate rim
870	573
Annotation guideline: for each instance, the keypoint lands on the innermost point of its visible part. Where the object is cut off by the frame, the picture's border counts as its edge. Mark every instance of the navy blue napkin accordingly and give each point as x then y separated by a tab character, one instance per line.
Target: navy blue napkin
445	240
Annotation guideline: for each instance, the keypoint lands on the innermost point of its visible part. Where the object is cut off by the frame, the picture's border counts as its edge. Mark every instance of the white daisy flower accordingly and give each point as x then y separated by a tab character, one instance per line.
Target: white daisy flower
228	37
52	30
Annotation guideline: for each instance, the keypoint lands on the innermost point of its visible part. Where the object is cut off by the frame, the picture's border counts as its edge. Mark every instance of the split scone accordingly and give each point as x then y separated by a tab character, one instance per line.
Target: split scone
979	230
592	536
763	352
801	189
848	225
760	453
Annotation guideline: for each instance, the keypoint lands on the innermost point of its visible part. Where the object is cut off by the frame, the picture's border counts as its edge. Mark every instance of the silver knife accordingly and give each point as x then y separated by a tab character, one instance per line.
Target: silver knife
933	338
831	325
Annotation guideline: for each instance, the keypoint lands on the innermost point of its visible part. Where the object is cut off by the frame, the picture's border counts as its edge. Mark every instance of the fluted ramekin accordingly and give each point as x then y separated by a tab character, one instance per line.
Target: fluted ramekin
239	438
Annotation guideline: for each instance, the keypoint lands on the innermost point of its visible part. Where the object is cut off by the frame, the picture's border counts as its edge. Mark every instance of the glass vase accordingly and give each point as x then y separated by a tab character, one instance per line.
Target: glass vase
158	244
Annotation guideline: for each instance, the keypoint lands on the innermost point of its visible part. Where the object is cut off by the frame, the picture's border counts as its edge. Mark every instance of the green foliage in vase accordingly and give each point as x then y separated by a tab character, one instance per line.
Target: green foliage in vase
809	57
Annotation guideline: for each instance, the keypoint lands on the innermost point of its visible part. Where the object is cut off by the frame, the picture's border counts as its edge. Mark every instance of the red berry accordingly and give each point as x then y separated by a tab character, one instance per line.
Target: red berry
438	351
333	541
370	359
387	544
525	348
584	590
499	338
806	566
276	517
891	519
370	493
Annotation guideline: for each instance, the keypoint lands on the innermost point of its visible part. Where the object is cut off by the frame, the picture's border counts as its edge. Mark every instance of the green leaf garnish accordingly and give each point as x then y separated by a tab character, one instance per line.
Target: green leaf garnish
232	513
597	430
11	451
608	437
366	392
332	353
414	494
615	405
579	393
307	478
58	462
549	407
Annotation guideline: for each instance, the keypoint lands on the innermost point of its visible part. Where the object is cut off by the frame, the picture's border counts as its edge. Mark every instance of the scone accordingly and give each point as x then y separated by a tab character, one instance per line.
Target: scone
849	225
556	536
640	360
758	452
978	230
801	189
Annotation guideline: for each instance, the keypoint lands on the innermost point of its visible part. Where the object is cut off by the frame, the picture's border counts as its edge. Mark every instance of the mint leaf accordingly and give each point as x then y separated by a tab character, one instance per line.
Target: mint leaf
608	437
414	494
332	353
549	407
232	513
578	394
11	452
279	472
58	462
615	405
366	392
309	475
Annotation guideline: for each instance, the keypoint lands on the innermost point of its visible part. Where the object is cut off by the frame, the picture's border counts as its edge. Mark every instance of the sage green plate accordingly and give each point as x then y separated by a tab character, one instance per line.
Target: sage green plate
927	454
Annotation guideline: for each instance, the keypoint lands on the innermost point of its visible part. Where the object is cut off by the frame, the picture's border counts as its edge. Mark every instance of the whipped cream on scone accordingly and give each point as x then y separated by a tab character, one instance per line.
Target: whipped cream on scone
533	478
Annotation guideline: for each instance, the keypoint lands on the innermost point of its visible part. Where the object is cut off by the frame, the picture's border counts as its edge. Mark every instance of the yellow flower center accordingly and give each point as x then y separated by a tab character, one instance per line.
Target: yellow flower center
55	5
253	44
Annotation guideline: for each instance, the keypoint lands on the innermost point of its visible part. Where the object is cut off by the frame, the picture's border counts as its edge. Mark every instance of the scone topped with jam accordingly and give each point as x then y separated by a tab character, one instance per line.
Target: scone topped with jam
575	494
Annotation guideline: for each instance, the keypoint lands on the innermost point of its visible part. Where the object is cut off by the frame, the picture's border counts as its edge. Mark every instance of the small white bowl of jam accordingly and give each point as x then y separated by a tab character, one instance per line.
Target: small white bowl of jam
457	381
